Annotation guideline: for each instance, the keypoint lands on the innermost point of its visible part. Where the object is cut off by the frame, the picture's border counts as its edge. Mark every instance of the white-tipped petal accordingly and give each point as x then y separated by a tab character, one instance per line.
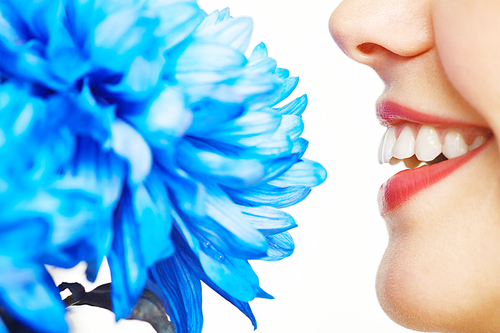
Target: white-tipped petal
405	144
478	141
454	145
427	145
387	145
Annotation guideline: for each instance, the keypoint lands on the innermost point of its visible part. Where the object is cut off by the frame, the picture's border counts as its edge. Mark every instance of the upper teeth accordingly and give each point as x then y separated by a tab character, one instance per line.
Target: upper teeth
426	146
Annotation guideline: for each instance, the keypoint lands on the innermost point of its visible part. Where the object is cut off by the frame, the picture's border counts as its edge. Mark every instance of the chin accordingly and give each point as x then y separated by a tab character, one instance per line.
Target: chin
441	269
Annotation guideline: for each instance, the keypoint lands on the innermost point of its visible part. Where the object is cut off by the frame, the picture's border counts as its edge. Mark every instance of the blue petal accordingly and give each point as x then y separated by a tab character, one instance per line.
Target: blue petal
256	88
177	20
180	292
204	62
223	227
235	276
194	264
67	62
305	173
122	36
26	289
292	125
209	113
206	161
28	293
289	85
267	195
152	214
3	328
299	147
13	30
233	32
130	145
260	66
81	19
278	146
267	220
248	130
102	175
139	79
87	117
95	171
165	119
282	73
280	246
231	233
296	107
128	271
259	52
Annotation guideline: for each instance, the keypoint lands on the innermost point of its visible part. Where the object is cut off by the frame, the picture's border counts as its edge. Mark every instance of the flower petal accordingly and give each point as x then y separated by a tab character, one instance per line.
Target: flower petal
267	220
280	246
282	73
178	19
26	290
194	264
130	145
226	229
165	119
305	173
300	147
152	214
259	52
218	60
128	271
295	107
236	33
210	113
180	293
287	88
235	276
260	66
3	328
126	32
268	195
292	125
206	161
248	130
30	296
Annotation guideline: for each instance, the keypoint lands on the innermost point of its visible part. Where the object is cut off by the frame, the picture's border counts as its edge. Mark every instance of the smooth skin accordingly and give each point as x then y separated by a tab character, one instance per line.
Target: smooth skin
441	270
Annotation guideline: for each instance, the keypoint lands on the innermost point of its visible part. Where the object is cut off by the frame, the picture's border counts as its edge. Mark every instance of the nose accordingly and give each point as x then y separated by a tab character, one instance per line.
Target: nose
373	32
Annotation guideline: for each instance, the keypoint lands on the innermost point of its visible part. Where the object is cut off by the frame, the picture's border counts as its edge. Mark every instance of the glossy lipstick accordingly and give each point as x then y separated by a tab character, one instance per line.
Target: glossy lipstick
405	184
390	113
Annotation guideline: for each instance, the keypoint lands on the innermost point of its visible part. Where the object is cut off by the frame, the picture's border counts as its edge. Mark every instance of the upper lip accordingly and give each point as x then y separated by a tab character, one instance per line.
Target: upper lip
390	113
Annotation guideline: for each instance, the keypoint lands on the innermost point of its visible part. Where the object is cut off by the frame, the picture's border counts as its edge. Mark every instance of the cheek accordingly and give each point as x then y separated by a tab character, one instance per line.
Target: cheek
468	41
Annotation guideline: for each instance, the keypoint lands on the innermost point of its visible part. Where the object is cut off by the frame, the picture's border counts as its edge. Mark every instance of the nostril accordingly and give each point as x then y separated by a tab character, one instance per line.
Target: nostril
367	48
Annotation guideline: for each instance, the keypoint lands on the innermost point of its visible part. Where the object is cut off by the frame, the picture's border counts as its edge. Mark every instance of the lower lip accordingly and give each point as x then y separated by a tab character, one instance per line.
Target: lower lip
405	184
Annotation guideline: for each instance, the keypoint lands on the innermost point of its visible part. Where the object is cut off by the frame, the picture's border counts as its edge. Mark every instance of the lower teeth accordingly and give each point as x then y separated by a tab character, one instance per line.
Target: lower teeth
413	162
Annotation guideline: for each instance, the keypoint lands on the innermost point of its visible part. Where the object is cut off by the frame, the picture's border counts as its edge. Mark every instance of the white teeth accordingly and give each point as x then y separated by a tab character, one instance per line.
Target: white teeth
454	145
478	141
427	146
387	145
405	144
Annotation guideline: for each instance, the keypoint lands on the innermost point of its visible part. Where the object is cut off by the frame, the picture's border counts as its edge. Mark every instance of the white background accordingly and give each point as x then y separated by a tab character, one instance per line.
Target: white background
327	285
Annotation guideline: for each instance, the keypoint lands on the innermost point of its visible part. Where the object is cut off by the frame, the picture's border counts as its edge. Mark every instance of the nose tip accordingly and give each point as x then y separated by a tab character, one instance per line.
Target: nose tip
372	31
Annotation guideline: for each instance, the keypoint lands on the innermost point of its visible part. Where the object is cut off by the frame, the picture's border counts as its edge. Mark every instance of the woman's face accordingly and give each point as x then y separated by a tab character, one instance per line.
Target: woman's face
440	62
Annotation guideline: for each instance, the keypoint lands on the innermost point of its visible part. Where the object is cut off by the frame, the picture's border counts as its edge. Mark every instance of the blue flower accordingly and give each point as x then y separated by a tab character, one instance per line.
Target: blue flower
139	131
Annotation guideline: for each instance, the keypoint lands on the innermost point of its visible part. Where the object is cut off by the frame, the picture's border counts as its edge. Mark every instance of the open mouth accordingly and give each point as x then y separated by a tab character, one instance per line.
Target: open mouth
431	152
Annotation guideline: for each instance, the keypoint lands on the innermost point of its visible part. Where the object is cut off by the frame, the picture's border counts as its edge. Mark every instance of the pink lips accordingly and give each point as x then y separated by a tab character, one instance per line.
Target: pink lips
390	113
405	184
